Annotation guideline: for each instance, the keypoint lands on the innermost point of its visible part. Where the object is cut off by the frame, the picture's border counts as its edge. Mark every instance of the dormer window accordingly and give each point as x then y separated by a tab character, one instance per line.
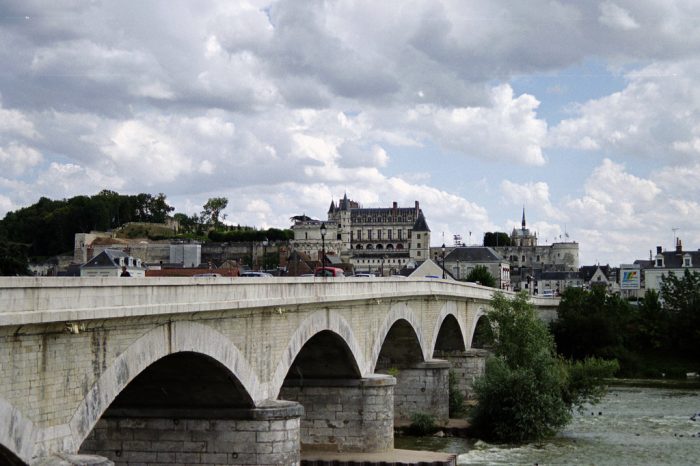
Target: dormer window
687	261
659	261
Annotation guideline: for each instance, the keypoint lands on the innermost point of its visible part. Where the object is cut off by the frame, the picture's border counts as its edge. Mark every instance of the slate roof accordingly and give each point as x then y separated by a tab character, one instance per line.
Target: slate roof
420	224
473	254
674	260
587	271
555	275
107	258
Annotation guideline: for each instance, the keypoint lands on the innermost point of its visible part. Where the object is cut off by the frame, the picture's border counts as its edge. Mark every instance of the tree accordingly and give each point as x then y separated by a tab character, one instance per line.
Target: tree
593	324
13	259
482	275
212	210
496	238
681	300
527	392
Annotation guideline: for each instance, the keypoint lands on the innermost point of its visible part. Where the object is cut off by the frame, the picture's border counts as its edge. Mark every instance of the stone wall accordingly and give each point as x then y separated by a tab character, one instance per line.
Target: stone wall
345	415
266	440
467	366
423	389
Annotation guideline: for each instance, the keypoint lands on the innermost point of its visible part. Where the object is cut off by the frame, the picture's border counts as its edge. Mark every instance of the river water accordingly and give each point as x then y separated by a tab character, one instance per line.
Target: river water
631	426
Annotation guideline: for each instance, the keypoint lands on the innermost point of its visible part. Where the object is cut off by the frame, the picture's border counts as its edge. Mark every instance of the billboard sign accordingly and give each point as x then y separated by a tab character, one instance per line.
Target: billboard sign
630	277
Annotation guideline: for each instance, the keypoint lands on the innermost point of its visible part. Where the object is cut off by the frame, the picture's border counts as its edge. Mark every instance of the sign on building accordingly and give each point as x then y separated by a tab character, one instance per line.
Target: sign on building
630	277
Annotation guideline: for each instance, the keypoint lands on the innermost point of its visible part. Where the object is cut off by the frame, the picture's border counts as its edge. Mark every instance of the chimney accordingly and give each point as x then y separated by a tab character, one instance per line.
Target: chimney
679	246
396	205
658	249
417	208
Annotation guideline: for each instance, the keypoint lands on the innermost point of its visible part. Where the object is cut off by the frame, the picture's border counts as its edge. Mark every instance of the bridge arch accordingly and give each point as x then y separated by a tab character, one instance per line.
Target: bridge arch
162	341
398	312
449	333
17	435
481	315
313	325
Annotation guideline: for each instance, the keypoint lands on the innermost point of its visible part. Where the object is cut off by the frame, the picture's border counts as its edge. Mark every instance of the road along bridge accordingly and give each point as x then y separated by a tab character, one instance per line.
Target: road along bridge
225	370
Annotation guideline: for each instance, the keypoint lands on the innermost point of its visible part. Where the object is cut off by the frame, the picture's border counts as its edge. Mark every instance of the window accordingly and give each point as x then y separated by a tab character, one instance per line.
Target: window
369	235
389	235
379	234
418	236
659	262
523	259
418	245
359	235
400	234
418	253
686	262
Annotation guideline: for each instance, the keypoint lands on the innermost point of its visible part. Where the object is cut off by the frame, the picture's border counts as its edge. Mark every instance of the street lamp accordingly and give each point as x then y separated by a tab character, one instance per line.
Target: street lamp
323	244
443	261
264	245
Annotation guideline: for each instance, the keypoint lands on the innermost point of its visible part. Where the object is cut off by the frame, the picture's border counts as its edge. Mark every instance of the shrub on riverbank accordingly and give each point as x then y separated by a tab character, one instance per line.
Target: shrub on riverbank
527	391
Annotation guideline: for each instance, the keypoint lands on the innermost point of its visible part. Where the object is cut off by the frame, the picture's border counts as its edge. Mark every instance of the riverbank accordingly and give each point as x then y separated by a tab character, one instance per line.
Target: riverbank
691	384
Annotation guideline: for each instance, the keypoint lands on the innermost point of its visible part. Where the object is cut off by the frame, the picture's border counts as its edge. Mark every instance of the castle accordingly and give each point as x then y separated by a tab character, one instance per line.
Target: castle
375	240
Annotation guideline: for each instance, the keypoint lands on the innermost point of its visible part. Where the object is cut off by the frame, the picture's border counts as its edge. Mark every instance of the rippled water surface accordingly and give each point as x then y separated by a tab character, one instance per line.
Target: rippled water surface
641	426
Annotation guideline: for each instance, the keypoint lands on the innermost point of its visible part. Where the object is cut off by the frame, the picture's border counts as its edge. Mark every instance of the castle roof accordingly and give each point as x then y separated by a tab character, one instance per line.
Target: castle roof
420	224
473	254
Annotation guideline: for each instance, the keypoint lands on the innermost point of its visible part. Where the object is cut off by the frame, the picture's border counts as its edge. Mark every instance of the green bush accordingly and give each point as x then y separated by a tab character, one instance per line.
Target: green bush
456	396
527	392
422	424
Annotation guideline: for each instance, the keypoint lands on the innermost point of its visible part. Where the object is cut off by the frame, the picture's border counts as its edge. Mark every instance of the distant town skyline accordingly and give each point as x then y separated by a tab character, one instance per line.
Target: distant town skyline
585	114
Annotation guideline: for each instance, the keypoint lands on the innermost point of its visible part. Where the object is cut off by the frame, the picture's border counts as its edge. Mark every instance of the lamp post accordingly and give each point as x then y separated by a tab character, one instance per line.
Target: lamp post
323	244
443	261
264	245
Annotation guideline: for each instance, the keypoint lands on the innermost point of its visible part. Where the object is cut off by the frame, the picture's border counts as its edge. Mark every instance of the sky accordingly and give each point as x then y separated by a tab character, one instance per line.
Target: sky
584	113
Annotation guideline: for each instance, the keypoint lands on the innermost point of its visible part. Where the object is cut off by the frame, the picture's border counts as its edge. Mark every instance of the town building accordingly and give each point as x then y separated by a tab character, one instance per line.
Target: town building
461	261
667	262
373	240
110	262
528	259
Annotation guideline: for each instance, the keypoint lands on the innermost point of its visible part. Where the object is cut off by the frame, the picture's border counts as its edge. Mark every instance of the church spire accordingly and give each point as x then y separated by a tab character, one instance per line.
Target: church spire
523	217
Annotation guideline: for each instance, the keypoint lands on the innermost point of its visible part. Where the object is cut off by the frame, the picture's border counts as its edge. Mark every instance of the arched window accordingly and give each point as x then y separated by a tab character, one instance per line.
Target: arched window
399	246
359	246
369	246
390	246
379	246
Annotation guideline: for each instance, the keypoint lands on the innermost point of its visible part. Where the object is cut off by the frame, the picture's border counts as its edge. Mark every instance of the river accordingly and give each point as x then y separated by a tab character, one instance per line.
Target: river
631	426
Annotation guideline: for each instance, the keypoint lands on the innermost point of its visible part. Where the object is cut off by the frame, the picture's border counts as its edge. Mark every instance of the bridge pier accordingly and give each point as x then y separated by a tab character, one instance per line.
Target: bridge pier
345	415
467	366
423	388
263	435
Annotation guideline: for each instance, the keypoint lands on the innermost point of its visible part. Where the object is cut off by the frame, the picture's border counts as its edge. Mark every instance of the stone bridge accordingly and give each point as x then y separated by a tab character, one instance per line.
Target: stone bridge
224	370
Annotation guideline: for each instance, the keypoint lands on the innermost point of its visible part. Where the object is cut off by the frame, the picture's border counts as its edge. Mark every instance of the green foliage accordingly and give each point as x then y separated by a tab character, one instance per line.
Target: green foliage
422	424
482	275
48	227
681	298
483	333
586	380
592	324
212	210
527	392
456	397
248	234
496	238
13	259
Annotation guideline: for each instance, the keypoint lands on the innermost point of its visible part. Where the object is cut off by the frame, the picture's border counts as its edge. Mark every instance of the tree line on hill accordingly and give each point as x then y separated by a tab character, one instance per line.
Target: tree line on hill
48	227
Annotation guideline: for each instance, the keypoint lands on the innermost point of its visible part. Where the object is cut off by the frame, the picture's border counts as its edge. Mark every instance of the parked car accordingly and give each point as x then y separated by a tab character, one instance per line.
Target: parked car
329	272
255	274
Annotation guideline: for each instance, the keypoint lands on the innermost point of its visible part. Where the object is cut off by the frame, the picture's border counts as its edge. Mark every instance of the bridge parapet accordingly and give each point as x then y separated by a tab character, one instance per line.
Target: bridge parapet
26	301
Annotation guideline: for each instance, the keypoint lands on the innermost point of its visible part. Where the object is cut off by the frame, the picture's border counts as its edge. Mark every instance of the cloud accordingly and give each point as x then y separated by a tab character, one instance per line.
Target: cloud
616	17
654	116
15	159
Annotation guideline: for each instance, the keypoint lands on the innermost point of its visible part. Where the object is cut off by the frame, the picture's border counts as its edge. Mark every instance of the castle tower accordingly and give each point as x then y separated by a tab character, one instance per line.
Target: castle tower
420	239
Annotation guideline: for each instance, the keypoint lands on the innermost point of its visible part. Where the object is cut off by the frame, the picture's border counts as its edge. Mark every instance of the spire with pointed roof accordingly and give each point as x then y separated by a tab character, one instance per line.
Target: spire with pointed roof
331	209
420	224
523	217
